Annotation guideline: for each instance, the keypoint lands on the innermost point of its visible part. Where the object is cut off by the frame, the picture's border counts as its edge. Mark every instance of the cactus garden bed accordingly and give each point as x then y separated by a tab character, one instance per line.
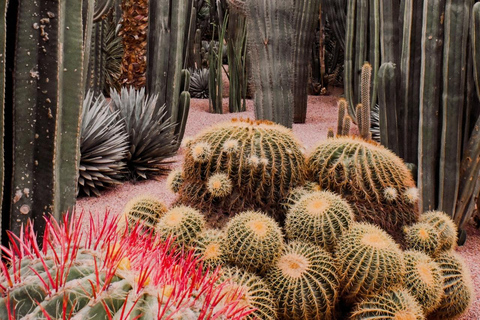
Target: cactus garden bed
322	114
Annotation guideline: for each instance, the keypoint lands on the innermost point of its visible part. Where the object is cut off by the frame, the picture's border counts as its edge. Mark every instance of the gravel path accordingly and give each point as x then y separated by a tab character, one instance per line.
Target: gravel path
322	114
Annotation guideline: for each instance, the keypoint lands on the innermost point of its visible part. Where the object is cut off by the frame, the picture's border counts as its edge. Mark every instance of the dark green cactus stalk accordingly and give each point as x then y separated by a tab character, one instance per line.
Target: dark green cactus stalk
48	91
342	111
306	15
3	40
387	99
215	83
237	66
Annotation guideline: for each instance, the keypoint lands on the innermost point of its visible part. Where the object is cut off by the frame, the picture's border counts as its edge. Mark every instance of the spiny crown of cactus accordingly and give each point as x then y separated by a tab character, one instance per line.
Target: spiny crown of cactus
389	305
422	237
209	246
253	240
253	290
423	279
296	193
145	210
370	261
357	169
457	286
320	218
446	228
94	272
182	223
175	180
304	280
262	161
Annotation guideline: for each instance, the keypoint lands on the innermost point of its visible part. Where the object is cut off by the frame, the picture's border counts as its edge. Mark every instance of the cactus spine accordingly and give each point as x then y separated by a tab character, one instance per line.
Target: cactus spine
182	223
446	229
422	237
209	246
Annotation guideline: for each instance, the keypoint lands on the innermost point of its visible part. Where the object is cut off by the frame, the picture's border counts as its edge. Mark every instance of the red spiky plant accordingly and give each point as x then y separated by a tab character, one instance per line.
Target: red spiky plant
95	272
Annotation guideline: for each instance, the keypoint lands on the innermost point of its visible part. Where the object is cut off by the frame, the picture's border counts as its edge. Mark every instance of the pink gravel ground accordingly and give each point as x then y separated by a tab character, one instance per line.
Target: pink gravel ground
321	115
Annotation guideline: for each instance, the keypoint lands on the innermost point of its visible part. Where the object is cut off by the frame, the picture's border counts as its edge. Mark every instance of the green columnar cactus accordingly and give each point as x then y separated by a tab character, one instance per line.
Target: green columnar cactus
369	261
182	223
446	228
166	53
342	111
422	237
145	211
389	305
48	91
209	246
237	64
320	218
304	280
254	292
457	287
254	241
263	161
3	40
215	81
175	180
387	99
270	42
355	169
306	14
423	279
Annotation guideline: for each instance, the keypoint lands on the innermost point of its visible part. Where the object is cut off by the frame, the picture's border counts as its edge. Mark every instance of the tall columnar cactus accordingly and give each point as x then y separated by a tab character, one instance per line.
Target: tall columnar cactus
166	55
369	261
291	281
237	60
387	99
48	96
94	272
3	40
261	161
354	168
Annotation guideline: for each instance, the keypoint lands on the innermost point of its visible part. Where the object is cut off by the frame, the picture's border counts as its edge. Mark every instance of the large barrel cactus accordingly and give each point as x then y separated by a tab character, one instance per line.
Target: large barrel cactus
373	179
241	165
95	272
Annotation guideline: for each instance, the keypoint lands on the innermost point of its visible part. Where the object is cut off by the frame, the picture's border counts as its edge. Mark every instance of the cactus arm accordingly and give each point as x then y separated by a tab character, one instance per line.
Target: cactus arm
430	86
72	94
348	64
387	99
3	39
457	22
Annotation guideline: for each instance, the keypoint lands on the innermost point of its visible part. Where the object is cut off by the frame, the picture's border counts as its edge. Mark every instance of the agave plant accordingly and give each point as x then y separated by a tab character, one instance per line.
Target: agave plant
199	83
103	147
375	123
150	133
93	271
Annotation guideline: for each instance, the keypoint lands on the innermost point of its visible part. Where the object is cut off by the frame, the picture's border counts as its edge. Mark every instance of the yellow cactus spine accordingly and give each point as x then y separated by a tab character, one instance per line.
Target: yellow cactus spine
210	247
181	223
422	237
219	185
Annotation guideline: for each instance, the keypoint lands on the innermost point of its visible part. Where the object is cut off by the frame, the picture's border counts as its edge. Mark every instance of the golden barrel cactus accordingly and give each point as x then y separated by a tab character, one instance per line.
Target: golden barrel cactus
241	165
175	180
145	211
445	226
304	280
209	246
182	223
422	237
373	179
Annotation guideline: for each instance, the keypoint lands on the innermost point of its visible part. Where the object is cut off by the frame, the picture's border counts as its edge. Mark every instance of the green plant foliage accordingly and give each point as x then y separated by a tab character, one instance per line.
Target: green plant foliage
103	147
181	223
370	261
304	280
320	218
151	138
145	211
253	241
423	279
199	83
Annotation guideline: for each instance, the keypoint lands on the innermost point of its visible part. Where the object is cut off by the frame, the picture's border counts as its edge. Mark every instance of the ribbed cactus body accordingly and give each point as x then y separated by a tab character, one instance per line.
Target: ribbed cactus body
423	279
144	211
458	291
209	246
390	305
446	228
422	237
253	241
320	218
262	161
305	282
370	261
175	180
362	172
254	292
296	193
182	223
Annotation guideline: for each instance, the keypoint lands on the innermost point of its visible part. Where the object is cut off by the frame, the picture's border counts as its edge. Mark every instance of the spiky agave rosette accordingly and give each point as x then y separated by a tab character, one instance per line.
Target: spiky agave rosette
98	273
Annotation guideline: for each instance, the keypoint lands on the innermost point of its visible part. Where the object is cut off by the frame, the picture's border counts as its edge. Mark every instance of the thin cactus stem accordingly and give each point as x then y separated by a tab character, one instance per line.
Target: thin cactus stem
359	115
346	125
342	111
366	85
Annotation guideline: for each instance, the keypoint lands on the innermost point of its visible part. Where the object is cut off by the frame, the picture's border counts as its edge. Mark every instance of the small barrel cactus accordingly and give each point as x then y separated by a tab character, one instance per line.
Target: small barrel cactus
320	218
209	246
390	305
372	178
241	165
457	287
175	180
94	272
370	261
446	228
423	279
304	280
296	193
182	223
145	211
253	241
422	237
253	291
